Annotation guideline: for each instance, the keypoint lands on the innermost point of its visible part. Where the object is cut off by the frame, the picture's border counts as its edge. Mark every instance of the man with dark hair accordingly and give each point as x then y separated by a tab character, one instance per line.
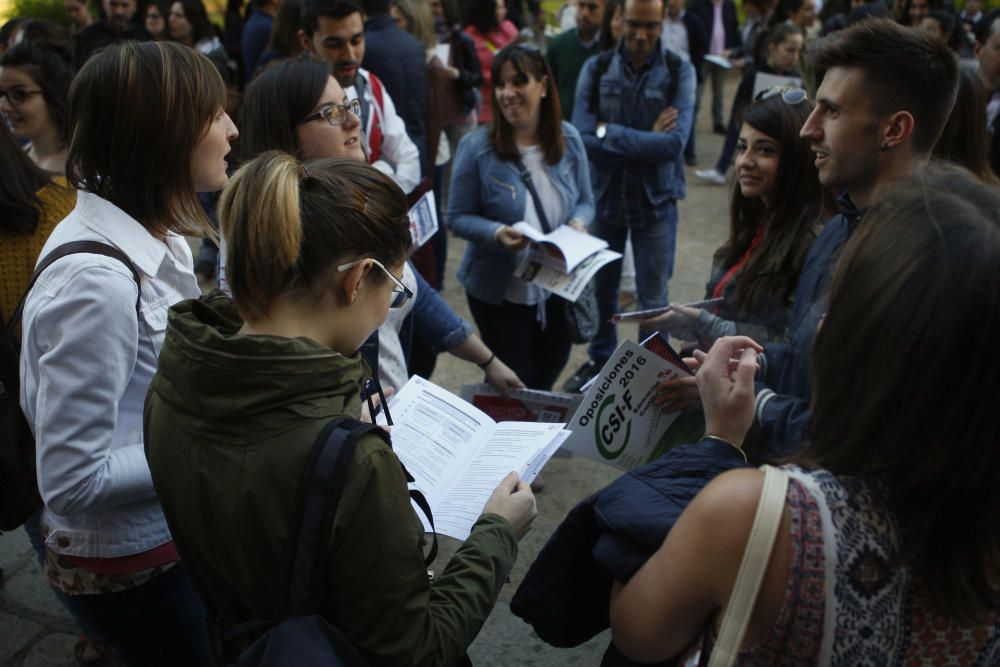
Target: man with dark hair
256	34
568	51
334	31
634	108
121	21
885	94
398	59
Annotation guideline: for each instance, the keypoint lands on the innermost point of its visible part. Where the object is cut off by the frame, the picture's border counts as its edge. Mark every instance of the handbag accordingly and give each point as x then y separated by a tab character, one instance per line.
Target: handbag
750	576
581	316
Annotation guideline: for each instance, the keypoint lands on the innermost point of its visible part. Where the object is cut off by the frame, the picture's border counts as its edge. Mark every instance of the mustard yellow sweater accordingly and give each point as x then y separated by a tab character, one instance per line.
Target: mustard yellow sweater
19	252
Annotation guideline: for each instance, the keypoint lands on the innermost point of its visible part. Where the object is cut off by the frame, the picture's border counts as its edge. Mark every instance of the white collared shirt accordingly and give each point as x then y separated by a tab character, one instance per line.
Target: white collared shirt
86	363
675	35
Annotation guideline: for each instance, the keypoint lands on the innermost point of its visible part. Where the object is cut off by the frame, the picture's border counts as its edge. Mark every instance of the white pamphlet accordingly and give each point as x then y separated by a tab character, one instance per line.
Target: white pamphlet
566	245
457	454
423	220
538	268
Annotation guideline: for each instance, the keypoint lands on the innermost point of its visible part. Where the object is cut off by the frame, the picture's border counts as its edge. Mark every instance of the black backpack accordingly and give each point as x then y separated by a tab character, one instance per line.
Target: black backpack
301	636
604	62
19	497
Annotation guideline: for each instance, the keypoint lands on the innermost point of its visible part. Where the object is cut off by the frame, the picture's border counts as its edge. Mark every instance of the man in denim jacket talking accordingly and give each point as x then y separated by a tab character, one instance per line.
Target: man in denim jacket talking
635	122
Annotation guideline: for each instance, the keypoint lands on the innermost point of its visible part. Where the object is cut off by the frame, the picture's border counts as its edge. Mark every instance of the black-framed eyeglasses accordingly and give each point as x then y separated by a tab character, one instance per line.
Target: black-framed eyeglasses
400	292
335	114
789	94
17	96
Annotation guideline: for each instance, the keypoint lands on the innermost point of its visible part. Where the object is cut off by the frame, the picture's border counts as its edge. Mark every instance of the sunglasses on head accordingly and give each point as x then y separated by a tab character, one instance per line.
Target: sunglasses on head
789	94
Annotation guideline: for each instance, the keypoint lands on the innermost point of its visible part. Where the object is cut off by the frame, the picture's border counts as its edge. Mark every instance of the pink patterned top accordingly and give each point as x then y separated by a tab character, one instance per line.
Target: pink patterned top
846	603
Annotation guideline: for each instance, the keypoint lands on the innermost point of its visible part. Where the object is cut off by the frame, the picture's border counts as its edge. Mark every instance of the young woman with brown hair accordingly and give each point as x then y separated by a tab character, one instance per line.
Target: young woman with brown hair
520	321
92	336
315	257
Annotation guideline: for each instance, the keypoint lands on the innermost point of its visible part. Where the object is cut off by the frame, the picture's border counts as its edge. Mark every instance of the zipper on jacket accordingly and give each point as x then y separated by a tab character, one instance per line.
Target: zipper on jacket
513	190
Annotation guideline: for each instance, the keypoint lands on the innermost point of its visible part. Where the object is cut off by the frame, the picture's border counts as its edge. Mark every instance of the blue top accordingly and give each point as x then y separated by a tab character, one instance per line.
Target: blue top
256	34
636	171
487	193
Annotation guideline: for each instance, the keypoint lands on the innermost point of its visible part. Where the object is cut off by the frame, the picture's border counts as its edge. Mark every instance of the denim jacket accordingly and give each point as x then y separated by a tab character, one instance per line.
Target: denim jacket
629	103
487	193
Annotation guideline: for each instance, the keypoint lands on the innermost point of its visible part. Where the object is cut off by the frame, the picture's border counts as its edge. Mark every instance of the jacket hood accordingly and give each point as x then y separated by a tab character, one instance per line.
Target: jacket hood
242	388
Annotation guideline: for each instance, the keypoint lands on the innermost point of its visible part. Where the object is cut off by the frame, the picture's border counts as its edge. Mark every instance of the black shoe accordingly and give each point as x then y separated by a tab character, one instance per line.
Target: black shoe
582	376
719	129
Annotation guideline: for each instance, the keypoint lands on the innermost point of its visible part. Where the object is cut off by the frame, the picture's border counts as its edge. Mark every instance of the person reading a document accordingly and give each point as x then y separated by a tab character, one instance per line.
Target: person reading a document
316	254
526	143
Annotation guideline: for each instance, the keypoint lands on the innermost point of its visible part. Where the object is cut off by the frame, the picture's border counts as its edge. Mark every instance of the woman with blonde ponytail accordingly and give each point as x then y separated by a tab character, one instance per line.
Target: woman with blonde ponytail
245	385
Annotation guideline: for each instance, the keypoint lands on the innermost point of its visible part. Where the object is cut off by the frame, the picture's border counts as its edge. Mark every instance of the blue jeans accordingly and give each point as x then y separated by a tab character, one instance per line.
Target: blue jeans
653	247
728	148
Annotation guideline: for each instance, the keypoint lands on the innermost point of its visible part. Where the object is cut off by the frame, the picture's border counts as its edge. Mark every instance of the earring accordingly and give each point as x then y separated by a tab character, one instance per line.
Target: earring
884	147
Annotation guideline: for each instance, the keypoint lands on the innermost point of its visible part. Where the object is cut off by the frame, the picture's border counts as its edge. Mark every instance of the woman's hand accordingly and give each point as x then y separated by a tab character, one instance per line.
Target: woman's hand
727	392
680	322
510	239
514	501
502	377
578	225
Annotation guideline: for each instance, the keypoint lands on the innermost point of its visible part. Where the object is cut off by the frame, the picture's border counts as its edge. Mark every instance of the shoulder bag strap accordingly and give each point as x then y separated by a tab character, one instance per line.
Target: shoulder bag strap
73	248
756	556
530	185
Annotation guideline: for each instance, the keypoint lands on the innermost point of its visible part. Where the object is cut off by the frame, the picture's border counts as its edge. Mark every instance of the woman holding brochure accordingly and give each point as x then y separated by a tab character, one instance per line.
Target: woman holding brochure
297	107
526	143
316	253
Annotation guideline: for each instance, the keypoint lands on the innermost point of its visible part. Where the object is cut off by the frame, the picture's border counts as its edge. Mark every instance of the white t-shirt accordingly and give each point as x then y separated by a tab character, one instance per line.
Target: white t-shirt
519	291
391	360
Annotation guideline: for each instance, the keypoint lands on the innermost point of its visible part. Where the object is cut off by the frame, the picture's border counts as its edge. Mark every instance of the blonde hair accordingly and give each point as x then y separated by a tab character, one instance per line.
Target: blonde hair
285	224
421	19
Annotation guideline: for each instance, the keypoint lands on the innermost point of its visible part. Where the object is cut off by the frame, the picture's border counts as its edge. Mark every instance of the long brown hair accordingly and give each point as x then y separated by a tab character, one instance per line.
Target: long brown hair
964	139
286	224
529	62
137	112
916	284
22	179
768	279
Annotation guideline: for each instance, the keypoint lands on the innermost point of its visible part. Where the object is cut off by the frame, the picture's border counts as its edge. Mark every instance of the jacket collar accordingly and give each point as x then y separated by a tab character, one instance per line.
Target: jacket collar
852	214
124	232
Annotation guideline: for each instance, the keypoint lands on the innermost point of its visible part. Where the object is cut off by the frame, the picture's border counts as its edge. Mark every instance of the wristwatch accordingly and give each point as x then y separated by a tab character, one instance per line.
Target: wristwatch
602	131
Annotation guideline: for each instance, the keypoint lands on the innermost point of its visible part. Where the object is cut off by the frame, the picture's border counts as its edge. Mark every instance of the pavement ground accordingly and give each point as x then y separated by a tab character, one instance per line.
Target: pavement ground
35	631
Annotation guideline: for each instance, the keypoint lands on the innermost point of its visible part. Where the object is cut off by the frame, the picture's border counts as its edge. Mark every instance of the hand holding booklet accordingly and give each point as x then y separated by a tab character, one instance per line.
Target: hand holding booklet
563	261
457	454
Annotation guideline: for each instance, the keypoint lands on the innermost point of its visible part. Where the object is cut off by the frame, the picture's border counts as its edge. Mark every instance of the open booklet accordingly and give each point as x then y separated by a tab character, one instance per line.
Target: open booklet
617	422
563	261
423	221
526	405
457	454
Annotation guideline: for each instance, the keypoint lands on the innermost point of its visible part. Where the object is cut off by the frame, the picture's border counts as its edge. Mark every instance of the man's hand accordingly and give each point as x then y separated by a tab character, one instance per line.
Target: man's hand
666	121
510	239
727	392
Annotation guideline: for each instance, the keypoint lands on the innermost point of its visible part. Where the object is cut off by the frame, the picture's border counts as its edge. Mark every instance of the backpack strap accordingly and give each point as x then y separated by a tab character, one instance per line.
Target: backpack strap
529	183
73	248
600	69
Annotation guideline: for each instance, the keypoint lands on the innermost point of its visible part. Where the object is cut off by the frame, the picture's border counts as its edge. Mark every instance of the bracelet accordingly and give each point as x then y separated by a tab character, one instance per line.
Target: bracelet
488	361
709	436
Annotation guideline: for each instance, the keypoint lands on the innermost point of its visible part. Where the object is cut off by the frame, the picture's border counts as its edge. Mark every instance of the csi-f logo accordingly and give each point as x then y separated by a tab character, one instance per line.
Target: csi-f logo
611	418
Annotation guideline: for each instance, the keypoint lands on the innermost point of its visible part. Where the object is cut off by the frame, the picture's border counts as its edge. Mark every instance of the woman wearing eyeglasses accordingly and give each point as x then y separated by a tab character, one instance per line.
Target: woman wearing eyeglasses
297	107
316	253
776	208
34	84
520	321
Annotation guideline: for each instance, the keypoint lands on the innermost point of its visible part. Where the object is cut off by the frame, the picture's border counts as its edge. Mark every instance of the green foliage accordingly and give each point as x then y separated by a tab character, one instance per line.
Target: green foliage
52	10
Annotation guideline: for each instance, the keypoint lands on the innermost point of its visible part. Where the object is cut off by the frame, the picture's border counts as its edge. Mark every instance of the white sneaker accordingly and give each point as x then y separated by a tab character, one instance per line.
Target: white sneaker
711	176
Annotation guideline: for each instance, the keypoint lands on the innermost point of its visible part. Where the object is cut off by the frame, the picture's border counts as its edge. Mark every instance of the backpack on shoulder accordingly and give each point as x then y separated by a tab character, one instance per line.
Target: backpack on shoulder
19	497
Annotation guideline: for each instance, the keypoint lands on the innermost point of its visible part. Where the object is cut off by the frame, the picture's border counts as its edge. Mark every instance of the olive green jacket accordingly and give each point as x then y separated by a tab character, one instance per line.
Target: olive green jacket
229	421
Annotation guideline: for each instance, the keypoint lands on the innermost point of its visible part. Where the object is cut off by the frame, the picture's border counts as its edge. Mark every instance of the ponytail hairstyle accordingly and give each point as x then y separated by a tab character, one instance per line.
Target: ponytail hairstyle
287	224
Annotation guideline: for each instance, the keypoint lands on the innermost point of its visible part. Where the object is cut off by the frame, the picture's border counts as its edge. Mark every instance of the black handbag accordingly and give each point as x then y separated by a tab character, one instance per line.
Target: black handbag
581	316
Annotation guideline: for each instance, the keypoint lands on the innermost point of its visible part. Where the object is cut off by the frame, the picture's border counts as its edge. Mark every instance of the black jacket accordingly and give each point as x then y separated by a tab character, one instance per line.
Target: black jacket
697	40
704	11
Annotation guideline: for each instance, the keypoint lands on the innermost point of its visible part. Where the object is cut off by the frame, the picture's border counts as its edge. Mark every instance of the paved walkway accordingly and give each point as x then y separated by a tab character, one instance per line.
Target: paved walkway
36	632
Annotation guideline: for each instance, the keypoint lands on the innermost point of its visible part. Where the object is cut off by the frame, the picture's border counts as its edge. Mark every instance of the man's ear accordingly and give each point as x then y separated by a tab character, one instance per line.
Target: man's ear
900	128
306	42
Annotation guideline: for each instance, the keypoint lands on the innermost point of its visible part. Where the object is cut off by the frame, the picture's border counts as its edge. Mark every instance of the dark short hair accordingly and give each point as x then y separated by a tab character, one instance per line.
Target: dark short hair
375	7
528	61
482	15
50	32
903	71
944	19
984	27
50	66
275	103
197	16
334	9
286	225
137	111
917	279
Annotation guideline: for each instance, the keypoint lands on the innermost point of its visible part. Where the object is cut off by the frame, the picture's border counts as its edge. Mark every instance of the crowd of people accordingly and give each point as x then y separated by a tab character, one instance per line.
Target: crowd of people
171	429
